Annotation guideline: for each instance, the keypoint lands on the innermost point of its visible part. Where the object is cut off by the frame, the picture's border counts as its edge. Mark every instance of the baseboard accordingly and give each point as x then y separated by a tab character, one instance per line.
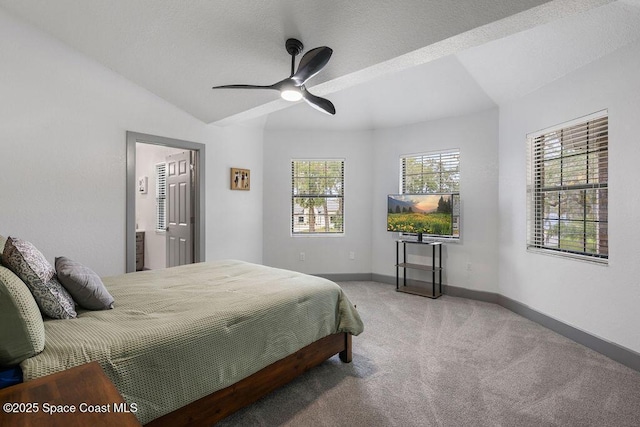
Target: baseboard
484	296
383	279
347	277
453	291
612	350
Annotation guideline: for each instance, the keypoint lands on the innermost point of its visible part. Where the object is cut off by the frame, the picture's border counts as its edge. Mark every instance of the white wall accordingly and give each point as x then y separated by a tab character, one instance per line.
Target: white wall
234	218
602	300
63	153
371	173
323	254
476	136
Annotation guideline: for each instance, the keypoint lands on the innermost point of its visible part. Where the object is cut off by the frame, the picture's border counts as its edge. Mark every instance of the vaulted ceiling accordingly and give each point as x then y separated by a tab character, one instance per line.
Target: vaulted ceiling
394	62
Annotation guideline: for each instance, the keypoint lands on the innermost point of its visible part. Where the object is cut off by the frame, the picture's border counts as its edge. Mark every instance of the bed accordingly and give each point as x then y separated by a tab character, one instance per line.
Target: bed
204	338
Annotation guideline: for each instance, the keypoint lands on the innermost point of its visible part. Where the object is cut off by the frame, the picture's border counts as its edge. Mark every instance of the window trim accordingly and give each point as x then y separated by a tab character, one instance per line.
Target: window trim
534	215
293	219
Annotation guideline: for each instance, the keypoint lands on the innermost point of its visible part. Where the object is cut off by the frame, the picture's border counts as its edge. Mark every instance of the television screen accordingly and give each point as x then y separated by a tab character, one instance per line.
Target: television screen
422	214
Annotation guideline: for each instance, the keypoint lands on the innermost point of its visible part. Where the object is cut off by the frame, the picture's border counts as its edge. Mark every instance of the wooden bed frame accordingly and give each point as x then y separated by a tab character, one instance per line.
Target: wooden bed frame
216	406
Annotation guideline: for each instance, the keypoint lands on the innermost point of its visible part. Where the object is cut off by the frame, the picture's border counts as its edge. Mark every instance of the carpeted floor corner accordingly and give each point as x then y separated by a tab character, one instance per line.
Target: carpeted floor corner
452	362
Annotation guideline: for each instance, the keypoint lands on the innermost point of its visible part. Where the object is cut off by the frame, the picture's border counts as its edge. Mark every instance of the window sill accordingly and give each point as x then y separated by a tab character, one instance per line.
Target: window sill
331	235
567	255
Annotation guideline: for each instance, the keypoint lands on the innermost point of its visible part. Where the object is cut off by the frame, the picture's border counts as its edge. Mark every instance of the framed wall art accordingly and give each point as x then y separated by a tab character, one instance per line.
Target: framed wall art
240	179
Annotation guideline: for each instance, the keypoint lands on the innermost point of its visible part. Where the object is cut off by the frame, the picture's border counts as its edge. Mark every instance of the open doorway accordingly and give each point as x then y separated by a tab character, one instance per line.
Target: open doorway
164	206
165	202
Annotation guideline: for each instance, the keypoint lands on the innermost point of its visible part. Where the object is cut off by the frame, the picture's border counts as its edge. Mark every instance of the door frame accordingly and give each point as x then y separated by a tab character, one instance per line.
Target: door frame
198	189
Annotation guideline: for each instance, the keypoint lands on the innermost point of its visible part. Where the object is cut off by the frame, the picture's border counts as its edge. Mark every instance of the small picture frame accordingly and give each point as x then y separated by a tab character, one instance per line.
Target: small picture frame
142	184
240	179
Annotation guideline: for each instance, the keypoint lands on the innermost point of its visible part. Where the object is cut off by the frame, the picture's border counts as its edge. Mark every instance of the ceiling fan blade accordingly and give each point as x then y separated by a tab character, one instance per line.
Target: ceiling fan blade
320	104
311	64
273	86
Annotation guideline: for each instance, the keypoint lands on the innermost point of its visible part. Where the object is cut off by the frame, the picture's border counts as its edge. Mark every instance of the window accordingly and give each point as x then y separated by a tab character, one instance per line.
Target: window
433	173
567	189
161	197
317	196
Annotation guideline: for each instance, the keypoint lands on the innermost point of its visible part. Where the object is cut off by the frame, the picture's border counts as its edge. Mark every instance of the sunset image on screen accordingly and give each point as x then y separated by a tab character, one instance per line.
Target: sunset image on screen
429	214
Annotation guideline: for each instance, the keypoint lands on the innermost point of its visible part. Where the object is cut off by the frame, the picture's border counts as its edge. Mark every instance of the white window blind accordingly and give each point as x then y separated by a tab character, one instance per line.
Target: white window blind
161	197
437	172
567	186
317	196
433	173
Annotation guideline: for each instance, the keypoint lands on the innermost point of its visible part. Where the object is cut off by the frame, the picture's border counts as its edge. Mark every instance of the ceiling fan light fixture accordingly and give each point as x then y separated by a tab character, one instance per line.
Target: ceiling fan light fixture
293	88
291	95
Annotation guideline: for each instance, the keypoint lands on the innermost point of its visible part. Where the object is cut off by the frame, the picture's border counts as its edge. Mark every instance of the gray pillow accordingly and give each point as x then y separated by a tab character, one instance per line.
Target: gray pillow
83	284
35	271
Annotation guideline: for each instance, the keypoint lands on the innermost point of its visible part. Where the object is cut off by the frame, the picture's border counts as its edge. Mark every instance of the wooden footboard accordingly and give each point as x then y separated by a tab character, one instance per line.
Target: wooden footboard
216	406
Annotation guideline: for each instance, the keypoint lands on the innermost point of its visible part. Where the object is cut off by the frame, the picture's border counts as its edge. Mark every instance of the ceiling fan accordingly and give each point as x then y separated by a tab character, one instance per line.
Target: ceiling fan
292	88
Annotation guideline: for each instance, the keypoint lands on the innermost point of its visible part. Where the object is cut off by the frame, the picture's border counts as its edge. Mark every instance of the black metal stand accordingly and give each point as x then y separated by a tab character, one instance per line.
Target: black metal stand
419	287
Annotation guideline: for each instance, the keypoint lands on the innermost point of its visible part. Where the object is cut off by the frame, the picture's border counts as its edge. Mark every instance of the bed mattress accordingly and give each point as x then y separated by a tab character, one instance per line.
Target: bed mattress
178	334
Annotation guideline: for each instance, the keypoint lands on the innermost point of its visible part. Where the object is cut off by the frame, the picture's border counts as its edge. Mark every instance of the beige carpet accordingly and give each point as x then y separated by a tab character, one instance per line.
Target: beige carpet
452	362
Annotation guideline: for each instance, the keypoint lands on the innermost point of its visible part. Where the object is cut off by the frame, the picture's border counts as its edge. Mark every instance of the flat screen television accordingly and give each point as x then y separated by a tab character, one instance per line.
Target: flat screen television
433	215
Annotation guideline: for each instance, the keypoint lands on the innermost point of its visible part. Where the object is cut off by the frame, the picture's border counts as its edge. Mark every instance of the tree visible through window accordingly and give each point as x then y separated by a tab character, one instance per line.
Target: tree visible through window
431	173
317	196
568	189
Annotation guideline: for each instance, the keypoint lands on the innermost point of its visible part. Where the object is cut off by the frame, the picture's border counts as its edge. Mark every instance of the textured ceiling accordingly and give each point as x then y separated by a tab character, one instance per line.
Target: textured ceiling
477	78
440	88
392	60
521	63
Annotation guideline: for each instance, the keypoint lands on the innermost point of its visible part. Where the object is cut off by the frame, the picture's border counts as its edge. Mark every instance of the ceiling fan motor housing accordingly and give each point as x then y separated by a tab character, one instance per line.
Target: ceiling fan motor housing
294	46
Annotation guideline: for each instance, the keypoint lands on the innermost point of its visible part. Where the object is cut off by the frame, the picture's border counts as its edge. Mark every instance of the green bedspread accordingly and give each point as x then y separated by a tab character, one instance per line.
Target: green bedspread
178	334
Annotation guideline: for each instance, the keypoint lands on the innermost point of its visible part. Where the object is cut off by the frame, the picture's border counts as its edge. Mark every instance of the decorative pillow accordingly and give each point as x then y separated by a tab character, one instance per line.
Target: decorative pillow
83	284
22	329
31	266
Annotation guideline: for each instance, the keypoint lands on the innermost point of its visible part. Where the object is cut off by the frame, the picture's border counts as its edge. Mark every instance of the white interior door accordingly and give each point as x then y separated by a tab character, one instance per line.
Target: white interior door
179	215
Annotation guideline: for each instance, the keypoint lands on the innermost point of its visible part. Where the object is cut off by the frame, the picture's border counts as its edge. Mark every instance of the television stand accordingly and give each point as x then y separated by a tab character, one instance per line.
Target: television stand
419	287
